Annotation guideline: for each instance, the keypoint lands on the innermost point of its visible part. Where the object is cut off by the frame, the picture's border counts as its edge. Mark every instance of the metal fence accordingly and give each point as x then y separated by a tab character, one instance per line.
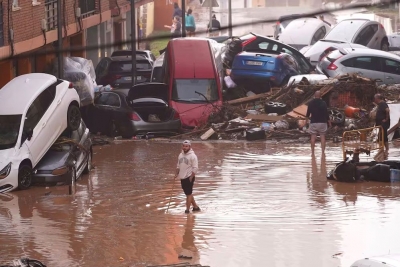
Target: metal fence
51	14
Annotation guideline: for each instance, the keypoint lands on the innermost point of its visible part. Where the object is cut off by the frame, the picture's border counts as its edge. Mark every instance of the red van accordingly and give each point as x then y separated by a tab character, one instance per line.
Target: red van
193	70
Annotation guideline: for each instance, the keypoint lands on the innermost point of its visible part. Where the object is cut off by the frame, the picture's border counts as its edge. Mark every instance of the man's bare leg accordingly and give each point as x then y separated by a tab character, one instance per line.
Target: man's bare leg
323	143
313	138
193	202
188	201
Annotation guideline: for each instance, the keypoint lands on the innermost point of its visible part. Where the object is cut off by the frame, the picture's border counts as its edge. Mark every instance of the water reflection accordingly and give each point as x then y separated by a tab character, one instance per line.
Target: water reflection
262	205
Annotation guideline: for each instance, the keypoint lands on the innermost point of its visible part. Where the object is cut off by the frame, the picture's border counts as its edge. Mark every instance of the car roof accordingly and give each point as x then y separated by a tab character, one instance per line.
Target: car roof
182	50
303	29
246	53
271	39
393	260
370	52
20	92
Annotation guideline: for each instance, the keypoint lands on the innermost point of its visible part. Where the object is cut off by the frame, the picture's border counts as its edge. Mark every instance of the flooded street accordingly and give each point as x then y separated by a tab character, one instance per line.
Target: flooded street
262	205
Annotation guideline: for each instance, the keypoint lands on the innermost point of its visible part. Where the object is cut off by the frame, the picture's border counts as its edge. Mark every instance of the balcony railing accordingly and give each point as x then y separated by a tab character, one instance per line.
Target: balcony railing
88	7
1	25
51	14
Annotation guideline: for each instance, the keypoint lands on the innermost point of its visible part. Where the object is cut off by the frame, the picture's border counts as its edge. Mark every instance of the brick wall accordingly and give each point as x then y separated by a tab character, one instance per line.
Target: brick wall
26	22
113	3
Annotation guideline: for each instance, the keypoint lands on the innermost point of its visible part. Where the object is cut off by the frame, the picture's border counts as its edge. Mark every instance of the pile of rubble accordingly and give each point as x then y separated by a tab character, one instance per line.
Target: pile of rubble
281	113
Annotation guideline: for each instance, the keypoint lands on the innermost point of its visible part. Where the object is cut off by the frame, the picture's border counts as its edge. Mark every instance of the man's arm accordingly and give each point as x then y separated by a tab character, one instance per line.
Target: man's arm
195	166
387	111
177	169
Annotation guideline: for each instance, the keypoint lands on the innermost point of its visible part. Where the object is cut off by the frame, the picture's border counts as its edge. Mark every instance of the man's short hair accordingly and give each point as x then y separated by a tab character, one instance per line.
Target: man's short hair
379	96
187	142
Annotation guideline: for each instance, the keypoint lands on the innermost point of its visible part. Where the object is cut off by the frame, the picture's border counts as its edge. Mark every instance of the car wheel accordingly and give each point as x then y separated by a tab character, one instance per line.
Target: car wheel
88	163
337	117
275	107
73	117
385	46
24	177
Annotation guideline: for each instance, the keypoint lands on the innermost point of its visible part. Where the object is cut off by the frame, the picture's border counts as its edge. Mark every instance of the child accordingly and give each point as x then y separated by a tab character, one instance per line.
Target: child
176	27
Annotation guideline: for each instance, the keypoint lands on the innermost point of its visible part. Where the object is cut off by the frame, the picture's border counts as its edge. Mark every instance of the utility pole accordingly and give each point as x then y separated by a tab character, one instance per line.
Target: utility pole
60	41
133	41
183	18
230	17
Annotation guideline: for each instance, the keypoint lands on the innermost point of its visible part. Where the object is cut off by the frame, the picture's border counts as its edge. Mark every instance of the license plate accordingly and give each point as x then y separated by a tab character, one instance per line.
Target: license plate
128	78
139	78
254	63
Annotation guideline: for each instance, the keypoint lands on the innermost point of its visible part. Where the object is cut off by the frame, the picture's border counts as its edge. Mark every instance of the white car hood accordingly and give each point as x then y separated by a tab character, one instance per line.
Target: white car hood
312	78
6	156
319	47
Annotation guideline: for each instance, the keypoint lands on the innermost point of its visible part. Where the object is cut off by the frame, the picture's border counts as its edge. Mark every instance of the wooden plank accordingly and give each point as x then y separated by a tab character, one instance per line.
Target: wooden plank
295	115
302	110
248	99
264	117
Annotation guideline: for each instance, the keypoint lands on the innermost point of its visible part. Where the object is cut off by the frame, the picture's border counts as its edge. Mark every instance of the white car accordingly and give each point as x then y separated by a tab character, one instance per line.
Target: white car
380	261
349	33
35	109
304	32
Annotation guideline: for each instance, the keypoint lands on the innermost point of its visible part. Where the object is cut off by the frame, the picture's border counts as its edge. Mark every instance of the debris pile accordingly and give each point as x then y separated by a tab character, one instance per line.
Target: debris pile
281	113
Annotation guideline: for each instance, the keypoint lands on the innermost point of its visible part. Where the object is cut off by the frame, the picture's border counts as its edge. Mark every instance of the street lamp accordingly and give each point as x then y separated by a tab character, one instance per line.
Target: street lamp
60	68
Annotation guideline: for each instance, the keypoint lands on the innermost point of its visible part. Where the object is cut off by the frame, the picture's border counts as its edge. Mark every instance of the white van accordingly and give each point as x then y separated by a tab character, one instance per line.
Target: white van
379	261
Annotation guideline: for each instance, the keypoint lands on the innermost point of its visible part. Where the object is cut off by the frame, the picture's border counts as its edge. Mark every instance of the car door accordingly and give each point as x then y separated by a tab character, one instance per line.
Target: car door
368	37
35	120
366	66
394	40
110	106
391	69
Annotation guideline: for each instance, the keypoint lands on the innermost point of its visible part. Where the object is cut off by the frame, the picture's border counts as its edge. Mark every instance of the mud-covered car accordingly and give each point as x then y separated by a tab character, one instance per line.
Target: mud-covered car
143	109
67	159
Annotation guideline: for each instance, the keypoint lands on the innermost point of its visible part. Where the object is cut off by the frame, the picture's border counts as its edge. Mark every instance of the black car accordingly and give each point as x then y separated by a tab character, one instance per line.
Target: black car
141	110
257	43
146	53
117	71
69	157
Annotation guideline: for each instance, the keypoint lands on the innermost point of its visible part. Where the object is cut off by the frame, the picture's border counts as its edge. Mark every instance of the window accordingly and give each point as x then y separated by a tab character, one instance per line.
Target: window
268	46
319	34
391	66
109	99
366	63
15	5
365	36
345	30
9	129
38	108
195	90
1	25
51	14
101	68
126	66
88	7
302	62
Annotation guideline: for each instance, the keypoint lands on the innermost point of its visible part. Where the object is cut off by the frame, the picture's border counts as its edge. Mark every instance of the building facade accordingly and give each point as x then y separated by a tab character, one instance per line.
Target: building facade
28	32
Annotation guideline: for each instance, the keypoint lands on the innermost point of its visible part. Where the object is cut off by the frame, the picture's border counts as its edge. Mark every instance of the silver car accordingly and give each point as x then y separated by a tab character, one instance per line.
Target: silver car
374	64
353	33
304	32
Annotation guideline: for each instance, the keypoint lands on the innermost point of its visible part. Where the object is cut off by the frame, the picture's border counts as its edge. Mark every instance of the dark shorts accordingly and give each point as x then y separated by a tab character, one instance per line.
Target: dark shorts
187	186
190	29
385	128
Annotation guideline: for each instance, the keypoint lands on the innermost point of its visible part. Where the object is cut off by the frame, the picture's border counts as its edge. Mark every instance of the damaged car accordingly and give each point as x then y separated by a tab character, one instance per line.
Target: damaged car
35	110
143	109
69	157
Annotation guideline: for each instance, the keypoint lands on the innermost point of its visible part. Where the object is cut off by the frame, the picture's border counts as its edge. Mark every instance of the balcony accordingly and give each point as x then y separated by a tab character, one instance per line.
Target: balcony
51	14
88	8
1	25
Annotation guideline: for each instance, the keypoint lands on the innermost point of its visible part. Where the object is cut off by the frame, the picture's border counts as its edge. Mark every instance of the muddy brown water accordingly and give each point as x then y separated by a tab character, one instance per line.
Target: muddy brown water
262	205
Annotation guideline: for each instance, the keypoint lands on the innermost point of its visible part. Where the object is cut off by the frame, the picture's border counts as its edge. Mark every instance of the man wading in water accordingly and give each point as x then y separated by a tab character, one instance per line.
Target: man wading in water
186	171
318	110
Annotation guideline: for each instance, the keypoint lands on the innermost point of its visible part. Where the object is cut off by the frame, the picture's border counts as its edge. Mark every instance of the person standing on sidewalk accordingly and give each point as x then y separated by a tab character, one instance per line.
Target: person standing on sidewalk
190	23
318	110
186	171
382	118
214	26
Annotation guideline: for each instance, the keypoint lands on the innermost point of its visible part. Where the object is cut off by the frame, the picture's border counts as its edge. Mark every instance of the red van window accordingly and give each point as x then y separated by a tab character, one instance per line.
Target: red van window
195	90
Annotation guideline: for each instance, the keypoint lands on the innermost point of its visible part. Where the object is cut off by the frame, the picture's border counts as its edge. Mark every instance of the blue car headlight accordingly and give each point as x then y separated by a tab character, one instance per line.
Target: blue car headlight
5	171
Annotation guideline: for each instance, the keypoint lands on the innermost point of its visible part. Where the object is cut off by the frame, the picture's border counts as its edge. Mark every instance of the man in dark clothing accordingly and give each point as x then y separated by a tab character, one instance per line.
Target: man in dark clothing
382	118
318	110
177	11
215	26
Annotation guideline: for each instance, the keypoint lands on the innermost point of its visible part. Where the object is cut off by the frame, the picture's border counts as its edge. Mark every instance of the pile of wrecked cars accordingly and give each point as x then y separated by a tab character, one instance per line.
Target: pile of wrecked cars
42	135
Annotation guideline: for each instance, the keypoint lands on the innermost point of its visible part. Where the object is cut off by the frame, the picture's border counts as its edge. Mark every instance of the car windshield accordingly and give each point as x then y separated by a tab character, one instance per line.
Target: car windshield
126	66
195	90
345	31
9	129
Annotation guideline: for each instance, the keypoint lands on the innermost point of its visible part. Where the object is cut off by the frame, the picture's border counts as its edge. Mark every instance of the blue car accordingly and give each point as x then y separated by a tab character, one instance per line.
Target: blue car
258	72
